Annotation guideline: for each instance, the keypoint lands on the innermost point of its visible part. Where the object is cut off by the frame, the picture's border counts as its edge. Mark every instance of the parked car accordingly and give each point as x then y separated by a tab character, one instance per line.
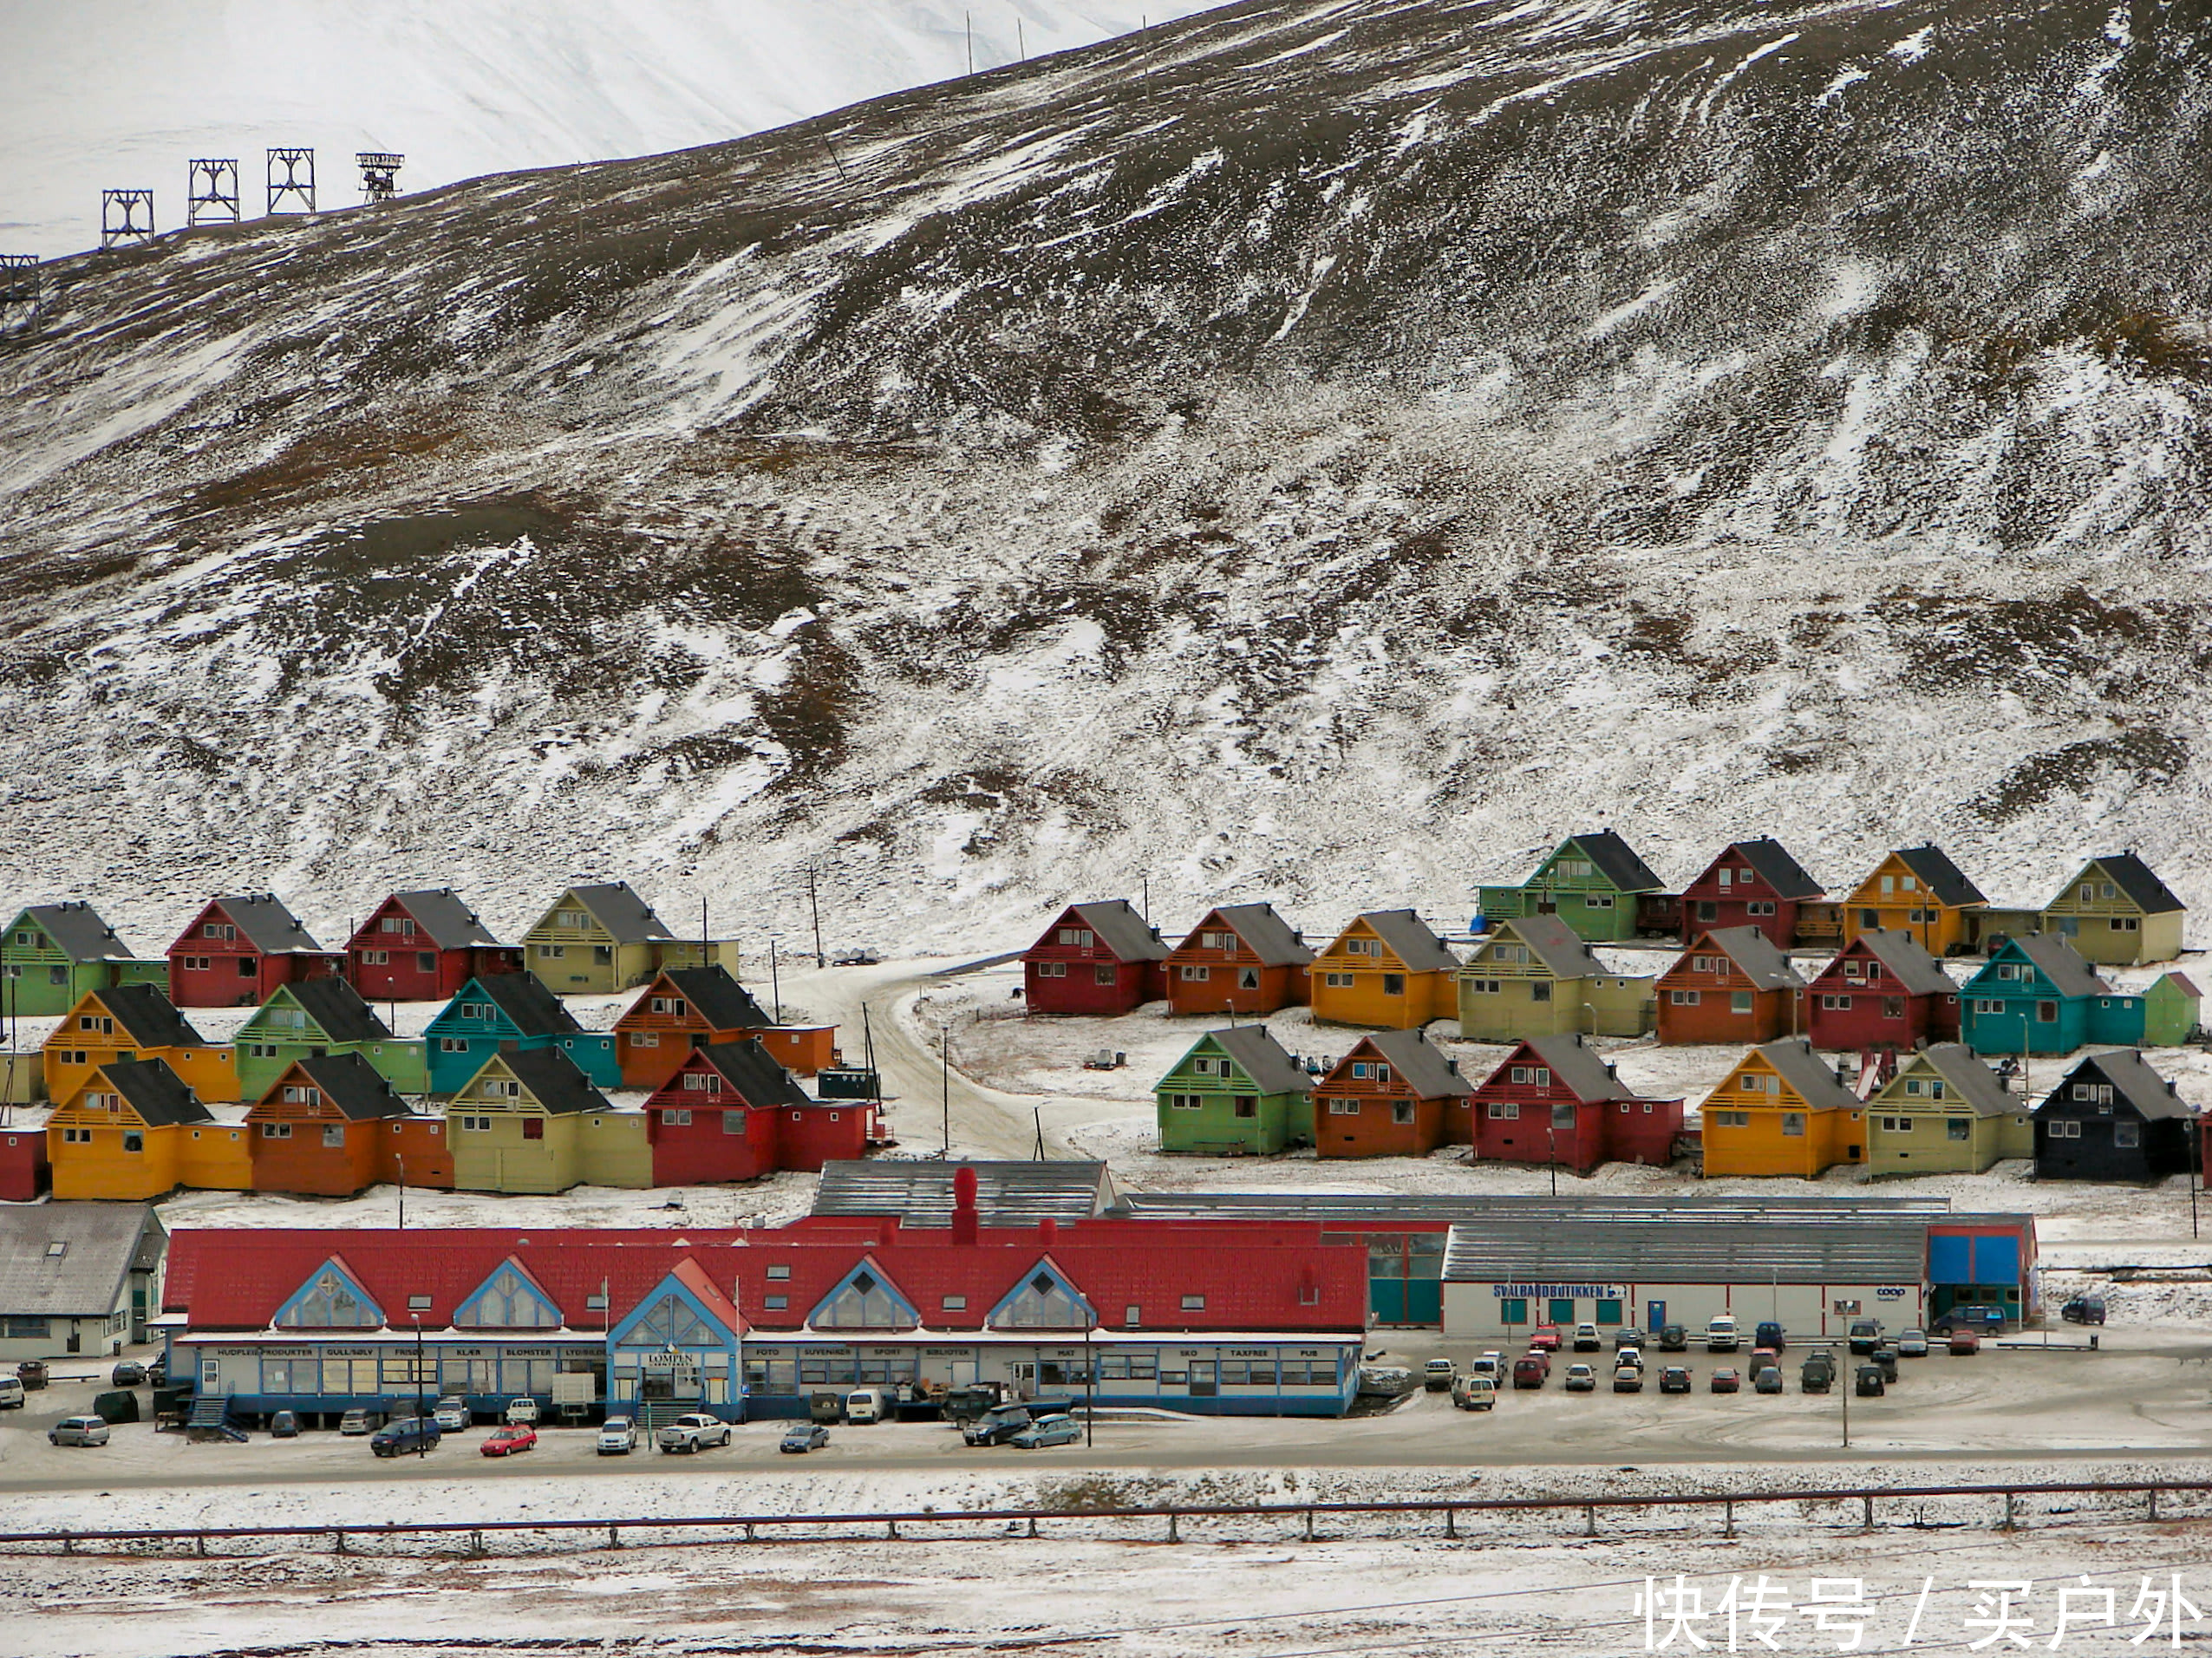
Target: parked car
405	1436
1628	1379
1912	1344
866	1404
1885	1356
2084	1309
1817	1375
1474	1393
1587	1339
1865	1334
802	1437
1544	1338
505	1441
128	1373
1629	1355
11	1394
157	1374
1491	1365
451	1413
1726	1380
1978	1316
1675	1379
1870	1383
1531	1370
1768	1381
78	1430
284	1424
360	1420
1628	1337
1720	1335
1769	1334
32	1374
1763	1359
1674	1338
1581	1379
524	1409
1058	1429
1964	1343
1437	1374
618	1436
997	1424
691	1432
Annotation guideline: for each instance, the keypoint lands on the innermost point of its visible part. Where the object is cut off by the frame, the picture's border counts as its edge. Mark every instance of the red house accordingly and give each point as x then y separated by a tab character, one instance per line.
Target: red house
1882	990
1731	986
1754	883
1393	1095
731	1113
237	950
1554	1100
424	947
24	1173
1243	958
1097	958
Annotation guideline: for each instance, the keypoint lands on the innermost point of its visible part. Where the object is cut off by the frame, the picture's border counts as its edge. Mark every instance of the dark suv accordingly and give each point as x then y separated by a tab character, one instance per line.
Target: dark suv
1981	1319
1770	1335
2084	1309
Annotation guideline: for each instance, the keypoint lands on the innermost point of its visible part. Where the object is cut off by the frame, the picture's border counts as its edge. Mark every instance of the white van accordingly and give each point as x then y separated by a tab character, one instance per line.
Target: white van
11	1394
865	1405
1720	1336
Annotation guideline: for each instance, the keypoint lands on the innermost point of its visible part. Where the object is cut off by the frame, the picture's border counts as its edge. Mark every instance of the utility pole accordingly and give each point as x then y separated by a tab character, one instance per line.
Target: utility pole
775	982
421	1439
944	1081
814	902
967	22
1039	1114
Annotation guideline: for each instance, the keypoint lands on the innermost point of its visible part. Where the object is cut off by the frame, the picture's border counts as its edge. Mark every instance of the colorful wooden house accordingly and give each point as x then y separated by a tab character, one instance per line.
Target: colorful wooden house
322	1016
682	1008
25	1174
731	1113
1556	1100
1591	882
1782	1112
1393	1095
2171	1010
510	1012
1100	959
1882	990
2036	995
530	1122
1753	883
1731	986
1535	976
324	1128
53	955
597	939
1945	1112
1385	968
1919	890
135	1021
238	949
424	947
1236	1094
2116	913
1242	959
133	1130
2113	1117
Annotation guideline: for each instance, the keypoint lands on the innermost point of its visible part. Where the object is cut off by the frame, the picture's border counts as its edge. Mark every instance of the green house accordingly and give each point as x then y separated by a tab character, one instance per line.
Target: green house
322	1016
1535	977
1236	1094
1590	882
1946	1112
2170	1011
54	954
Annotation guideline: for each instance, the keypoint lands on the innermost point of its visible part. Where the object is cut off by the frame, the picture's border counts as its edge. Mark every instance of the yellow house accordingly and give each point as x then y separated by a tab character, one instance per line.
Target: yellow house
135	1021
1946	1112
134	1130
1921	891
598	939
1385	968
531	1122
1782	1111
2116	912
1534	976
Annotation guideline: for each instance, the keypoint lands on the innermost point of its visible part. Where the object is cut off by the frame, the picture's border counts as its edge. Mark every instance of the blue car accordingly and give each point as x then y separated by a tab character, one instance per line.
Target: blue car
1048	1430
802	1437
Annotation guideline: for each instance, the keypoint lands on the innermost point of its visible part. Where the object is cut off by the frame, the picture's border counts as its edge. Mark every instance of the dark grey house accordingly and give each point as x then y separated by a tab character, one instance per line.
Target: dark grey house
2113	1117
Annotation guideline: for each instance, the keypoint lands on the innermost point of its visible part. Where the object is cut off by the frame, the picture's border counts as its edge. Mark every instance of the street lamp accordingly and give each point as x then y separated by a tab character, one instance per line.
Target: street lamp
1090	1384
421	1439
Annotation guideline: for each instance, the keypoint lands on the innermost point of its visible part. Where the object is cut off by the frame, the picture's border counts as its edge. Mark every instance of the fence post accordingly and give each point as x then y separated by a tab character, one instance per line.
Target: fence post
1867	1503
749	1531
68	1544
1728	1519
2008	1511
199	1538
1173	1537
2154	1502
893	1525
1451	1522
1590	1521
613	1537
1033	1526
476	1543
338	1541
1309	1525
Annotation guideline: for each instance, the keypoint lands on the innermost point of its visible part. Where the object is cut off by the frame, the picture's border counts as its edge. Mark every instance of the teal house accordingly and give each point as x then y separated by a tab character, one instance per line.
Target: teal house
318	1016
2038	996
54	954
1590	882
511	1013
1236	1094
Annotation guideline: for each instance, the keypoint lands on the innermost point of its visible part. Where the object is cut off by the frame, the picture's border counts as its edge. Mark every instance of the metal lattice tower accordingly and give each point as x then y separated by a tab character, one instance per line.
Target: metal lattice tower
212	198
292	180
125	216
21	289
379	174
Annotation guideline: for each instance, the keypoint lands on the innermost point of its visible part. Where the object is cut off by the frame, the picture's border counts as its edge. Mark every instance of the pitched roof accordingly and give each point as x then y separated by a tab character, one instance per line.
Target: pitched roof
627	917
1558	946
1420	1062
350	1083
100	1241
550	1078
1411	941
525	999
2152	1096
1940	876
1901	957
1262	1059
1579	1067
1806	1072
1753	954
148	1017
2057	960
2182	982
1617	861
268	925
1969	1078
720	1000
1771	863
2133	876
156	1093
441	914
337	1009
752	1070
921	1194
1122	931
1266	934
78	932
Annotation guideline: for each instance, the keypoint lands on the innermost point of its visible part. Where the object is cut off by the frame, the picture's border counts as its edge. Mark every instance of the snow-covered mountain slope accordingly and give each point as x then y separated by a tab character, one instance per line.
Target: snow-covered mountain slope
123	93
1322	451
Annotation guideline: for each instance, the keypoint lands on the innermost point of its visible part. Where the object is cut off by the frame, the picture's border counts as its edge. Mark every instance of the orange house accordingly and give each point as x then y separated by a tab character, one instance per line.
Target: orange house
1732	986
1243	958
1921	891
322	1128
1392	1095
135	1021
134	1130
1385	968
685	1008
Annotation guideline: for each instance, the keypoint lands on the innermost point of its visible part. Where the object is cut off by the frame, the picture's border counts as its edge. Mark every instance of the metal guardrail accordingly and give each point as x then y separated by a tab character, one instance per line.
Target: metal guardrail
746	1527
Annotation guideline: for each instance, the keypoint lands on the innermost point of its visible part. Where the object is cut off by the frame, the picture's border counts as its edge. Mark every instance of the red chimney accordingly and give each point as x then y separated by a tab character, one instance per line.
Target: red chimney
888	1233
1048	1228
963	1205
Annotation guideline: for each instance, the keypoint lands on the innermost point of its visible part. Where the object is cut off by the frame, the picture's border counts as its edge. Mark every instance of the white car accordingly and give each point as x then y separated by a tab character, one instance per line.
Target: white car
78	1430
452	1414
694	1432
523	1410
618	1437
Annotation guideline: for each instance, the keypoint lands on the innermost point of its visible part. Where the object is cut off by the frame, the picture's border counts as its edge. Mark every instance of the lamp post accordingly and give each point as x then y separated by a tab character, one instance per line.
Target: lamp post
775	982
1090	1384
421	1439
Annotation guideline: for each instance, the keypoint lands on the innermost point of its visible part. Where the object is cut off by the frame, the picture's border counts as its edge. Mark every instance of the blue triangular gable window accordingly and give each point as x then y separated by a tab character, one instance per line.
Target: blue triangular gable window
865	1300
330	1299
1042	1300
671	1317
508	1300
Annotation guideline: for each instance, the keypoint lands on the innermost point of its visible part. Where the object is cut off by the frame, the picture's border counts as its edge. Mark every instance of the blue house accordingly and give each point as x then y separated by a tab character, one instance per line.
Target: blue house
2038	996
511	1013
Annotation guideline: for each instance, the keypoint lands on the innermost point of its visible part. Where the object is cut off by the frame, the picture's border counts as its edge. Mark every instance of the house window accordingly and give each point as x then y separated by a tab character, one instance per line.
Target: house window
1401	1111
334	1135
1683	998
1247	1106
1958	1128
453	1044
1759	907
1539	989
76	1136
218	929
133	1141
2046	1013
732	1122
375	957
1893	1007
1989	1007
1705	964
1480	987
1195	975
780	1272
2127	923
777	1304
533	1128
1793	1124
644	1039
475	1125
1103	974
1393	984
1598	900
1337	981
1740	1001
1835	1004
675	1119
1708	910
1248	978
1344	1108
276	1131
2064	1128
1502	1111
2008	969
1194	1303
2126	1136
1896	1125
1080	937
1732	1120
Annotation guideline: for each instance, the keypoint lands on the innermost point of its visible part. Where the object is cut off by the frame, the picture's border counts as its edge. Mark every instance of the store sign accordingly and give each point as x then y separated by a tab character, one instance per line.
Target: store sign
1891	1292
1559	1292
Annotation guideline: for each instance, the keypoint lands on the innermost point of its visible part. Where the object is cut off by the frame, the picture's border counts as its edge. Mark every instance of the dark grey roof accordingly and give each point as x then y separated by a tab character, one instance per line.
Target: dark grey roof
627	917
155	1092
101	1242
1007	1194
1812	1076
551	1077
338	1010
148	1017
78	932
1687	1250
350	1083
2057	960
1351	1209
1432	1075
268	925
1770	859
525	999
1262	1059
1617	861
1940	876
752	1070
1754	955
1559	947
1411	941
2133	876
2152	1096
720	1000
441	913
1901	957
1969	1079
1266	934
1122	931
1581	1067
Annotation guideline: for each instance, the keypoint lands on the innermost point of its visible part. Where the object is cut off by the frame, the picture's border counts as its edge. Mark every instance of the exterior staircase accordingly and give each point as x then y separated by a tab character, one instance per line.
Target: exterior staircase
211	1419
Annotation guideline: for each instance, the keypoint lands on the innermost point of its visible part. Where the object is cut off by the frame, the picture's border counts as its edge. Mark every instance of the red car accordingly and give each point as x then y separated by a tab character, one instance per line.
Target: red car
1726	1380
1544	1338
505	1441
1531	1369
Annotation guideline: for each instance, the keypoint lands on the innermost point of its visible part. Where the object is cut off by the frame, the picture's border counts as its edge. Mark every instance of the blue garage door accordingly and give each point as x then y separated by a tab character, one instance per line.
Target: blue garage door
1996	1259
1949	1260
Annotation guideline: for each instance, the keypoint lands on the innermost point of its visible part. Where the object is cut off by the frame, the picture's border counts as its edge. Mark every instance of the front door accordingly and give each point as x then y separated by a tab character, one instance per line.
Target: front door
211	1375
1202	1373
1657	1314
